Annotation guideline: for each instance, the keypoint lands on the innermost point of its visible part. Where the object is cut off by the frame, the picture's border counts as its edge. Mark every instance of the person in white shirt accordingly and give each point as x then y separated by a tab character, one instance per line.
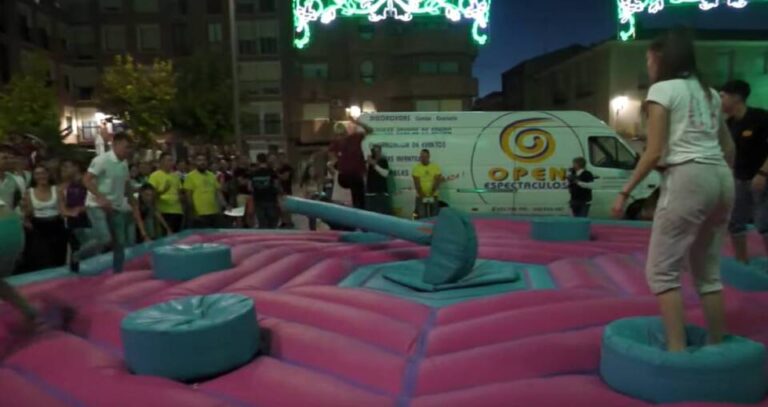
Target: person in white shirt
110	197
689	142
46	236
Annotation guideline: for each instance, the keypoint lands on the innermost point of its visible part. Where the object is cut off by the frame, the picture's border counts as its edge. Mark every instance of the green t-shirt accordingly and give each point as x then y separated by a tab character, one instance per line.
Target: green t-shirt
204	188
169	201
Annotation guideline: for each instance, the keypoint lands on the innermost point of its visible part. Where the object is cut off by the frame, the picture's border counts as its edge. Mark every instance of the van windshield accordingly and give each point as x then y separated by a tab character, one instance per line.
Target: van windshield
609	152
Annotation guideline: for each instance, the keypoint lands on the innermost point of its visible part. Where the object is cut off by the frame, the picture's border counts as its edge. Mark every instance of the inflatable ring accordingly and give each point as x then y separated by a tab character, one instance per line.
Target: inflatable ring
187	262
634	362
192	337
561	229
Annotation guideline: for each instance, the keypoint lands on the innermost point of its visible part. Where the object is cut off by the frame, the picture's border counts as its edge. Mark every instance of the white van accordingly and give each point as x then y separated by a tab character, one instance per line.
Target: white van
507	162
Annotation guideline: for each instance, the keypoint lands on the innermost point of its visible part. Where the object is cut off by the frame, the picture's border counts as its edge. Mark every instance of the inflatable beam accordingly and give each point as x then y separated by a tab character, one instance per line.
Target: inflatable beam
417	232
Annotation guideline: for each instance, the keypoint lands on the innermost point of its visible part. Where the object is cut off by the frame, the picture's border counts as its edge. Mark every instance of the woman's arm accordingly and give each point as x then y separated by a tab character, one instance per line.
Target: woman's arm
26	208
62	194
139	221
726	143
161	219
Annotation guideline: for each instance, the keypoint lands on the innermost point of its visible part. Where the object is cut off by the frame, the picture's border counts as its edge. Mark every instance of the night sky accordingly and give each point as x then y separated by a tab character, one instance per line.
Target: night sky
521	29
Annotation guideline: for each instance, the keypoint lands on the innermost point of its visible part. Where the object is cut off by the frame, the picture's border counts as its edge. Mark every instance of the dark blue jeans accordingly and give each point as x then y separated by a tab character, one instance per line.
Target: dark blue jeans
580	209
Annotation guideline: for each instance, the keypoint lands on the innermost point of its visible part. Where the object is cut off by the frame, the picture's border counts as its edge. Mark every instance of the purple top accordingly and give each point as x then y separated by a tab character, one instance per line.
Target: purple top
76	194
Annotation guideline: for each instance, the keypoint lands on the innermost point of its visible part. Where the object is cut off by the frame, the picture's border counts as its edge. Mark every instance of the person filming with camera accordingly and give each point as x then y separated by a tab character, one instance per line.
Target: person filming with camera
580	186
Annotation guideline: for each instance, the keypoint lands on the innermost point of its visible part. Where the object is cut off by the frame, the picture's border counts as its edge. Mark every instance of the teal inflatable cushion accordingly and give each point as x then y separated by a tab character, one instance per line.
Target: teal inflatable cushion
192	337
560	229
750	277
11	241
454	249
634	361
364	238
413	277
187	262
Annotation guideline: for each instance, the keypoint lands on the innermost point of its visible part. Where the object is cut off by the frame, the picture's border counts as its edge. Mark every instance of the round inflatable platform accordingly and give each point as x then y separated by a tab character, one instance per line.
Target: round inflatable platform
192	337
187	262
634	361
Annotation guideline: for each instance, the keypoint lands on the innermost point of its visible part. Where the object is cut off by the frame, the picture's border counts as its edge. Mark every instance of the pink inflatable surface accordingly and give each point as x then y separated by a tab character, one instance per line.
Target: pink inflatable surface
332	346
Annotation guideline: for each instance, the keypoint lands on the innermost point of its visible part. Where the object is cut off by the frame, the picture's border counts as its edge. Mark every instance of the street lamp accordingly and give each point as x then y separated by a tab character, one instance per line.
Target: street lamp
235	76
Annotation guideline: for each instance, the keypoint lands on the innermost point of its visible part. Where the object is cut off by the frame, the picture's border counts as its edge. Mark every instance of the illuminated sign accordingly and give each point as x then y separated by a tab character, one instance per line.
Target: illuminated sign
308	12
629	9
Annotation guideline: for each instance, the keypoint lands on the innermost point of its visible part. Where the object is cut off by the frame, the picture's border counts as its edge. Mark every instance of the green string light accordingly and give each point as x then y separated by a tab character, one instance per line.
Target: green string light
629	9
309	12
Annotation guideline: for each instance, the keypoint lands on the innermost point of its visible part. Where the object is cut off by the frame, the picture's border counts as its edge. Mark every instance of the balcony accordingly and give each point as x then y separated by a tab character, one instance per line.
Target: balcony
315	131
426	86
260	88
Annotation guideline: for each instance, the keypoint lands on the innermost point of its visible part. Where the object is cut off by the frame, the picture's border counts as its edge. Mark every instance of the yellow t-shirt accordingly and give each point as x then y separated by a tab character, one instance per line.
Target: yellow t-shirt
204	188
426	175
168	202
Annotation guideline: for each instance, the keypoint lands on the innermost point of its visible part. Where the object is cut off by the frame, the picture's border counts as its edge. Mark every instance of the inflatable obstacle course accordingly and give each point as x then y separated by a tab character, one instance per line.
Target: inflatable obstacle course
192	337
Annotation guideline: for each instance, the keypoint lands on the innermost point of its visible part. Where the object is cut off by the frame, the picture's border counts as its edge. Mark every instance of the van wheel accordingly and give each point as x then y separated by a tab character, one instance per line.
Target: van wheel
634	210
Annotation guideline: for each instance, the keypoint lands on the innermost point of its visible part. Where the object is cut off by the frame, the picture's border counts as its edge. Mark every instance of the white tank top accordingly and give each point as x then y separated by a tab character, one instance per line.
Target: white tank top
46	209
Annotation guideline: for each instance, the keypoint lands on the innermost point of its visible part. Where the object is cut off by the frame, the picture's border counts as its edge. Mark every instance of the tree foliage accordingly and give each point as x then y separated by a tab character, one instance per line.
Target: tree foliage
203	107
28	104
140	95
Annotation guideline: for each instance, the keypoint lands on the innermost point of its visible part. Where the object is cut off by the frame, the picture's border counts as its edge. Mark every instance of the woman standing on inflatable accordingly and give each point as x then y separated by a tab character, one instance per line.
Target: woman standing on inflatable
689	143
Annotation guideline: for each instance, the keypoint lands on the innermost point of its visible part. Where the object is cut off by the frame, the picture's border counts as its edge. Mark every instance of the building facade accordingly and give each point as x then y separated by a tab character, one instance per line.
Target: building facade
289	97
610	80
423	65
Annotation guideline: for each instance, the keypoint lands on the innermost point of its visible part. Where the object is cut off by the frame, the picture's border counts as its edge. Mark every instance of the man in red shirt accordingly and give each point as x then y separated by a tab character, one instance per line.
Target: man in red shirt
350	161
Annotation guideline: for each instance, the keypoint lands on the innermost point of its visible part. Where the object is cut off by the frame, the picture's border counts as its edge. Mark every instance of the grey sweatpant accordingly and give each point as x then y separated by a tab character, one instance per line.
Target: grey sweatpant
688	227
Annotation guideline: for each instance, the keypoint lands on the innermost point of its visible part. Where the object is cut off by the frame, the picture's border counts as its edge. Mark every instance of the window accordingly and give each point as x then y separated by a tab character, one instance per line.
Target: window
267	6
366	30
609	152
261	78
263	118
180	7
24	18
316	111
257	37
215	6
268	37
214	33
314	71
145	6
111	6
427	67
180	39
448	67
44	29
444	105
246	6
148	37
83	40
367	72
113	37
273	123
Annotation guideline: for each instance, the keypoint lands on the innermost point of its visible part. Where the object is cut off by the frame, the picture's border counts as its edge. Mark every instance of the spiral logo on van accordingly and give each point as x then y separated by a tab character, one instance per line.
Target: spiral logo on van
526	144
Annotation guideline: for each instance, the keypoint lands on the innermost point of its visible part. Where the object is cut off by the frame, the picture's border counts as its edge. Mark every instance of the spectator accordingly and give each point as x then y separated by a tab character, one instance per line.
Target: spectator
135	177
266	188
167	186
108	191
377	190
10	193
580	186
21	172
749	128
285	173
146	168
427	178
350	163
148	218
46	238
72	195
242	187
182	169
205	195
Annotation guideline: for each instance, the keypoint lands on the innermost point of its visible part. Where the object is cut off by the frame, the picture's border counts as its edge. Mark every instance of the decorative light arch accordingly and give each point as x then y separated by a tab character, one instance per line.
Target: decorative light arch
308	12
629	9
